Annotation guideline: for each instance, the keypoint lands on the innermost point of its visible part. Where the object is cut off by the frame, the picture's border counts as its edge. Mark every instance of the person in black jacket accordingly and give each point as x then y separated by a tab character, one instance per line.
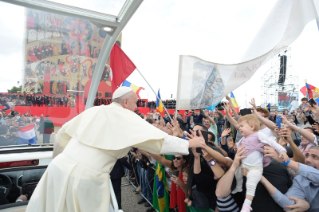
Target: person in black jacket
116	177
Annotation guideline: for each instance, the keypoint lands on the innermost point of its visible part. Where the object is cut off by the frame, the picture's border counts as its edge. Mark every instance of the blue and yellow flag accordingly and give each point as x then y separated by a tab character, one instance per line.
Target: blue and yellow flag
159	105
160	190
268	107
135	88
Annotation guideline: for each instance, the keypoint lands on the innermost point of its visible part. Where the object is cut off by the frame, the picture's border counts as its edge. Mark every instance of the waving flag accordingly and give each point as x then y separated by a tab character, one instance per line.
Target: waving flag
121	66
159	105
315	92
233	100
202	84
309	91
27	135
268	107
135	88
160	191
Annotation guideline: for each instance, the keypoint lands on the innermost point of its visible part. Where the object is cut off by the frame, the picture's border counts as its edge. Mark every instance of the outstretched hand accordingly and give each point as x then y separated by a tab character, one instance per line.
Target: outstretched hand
253	103
174	127
271	152
238	157
226	108
301	205
226	132
285	121
194	140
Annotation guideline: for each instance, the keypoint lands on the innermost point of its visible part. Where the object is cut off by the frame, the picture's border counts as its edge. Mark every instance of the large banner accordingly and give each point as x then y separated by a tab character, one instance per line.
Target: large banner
288	101
61	54
203	84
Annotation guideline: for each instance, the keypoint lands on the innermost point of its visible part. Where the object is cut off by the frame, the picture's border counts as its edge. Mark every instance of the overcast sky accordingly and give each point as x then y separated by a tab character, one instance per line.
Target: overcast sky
161	30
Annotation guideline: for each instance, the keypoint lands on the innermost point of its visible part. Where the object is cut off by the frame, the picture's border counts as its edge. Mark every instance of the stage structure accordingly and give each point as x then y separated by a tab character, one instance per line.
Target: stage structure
279	79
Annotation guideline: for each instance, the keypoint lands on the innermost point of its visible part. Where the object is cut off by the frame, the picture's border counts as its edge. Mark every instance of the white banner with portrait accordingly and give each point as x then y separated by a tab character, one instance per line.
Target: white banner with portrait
202	84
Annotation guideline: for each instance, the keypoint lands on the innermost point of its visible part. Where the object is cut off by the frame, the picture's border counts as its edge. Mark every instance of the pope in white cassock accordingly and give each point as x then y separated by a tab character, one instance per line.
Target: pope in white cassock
78	178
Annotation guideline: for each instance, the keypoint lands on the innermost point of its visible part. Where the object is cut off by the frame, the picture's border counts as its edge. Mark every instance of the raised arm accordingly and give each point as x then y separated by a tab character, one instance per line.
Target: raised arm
230	118
224	184
308	135
278	197
217	170
197	168
232	107
209	118
297	154
217	156
223	135
304	170
161	160
271	125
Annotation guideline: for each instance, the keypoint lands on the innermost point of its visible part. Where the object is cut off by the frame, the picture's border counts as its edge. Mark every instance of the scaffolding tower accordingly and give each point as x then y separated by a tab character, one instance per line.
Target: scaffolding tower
280	78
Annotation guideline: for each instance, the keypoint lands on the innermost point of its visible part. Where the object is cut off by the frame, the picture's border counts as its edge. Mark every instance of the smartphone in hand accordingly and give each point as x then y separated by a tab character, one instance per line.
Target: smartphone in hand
278	121
176	172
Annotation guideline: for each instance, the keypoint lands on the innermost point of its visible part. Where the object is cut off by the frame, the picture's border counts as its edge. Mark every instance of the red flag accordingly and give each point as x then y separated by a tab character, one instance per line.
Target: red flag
121	66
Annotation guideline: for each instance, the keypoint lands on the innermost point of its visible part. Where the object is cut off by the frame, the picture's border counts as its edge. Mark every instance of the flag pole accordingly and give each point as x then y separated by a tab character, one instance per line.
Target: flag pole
155	94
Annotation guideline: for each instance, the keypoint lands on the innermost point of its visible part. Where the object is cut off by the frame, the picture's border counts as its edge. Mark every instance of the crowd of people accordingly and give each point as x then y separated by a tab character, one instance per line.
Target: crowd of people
247	163
37	100
12	124
169	104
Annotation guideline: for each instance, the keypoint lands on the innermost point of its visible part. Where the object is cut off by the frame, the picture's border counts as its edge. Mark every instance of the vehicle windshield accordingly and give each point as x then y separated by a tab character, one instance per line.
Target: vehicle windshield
48	61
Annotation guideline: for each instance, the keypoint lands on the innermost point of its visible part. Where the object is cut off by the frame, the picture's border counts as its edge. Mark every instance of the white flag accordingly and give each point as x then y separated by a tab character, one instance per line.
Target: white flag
202	84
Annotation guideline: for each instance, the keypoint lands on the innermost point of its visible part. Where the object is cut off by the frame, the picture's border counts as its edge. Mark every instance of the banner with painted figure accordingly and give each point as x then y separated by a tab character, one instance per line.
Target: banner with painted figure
288	101
61	54
203	84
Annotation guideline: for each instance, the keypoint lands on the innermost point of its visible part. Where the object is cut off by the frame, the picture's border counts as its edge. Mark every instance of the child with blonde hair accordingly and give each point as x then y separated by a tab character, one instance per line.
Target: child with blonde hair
254	141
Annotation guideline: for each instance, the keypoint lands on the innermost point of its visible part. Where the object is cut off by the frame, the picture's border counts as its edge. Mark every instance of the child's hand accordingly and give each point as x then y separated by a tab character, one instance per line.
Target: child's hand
284	156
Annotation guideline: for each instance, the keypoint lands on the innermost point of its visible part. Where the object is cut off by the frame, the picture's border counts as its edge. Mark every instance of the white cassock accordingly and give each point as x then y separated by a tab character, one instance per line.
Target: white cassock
78	178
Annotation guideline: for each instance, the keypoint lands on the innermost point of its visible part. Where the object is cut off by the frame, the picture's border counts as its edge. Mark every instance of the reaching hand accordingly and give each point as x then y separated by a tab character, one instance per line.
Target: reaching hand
226	108
285	121
196	154
228	98
226	132
194	140
284	156
285	132
206	156
301	205
206	113
253	103
176	180
271	152
239	157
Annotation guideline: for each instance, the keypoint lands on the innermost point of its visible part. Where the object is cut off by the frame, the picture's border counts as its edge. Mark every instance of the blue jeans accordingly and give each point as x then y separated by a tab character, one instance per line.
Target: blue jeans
149	194
7	107
139	181
146	190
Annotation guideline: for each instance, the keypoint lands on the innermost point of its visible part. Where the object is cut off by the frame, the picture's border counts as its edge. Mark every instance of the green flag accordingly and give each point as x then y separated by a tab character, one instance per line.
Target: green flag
160	190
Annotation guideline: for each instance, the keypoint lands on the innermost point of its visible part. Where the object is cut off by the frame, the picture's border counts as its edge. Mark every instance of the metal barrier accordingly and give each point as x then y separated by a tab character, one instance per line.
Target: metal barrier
141	192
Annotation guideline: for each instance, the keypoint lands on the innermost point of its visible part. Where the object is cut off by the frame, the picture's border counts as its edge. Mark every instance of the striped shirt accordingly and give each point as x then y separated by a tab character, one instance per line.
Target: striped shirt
227	204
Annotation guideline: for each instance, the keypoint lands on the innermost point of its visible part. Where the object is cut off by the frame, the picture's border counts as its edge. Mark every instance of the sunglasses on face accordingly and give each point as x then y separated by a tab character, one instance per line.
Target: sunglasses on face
178	158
